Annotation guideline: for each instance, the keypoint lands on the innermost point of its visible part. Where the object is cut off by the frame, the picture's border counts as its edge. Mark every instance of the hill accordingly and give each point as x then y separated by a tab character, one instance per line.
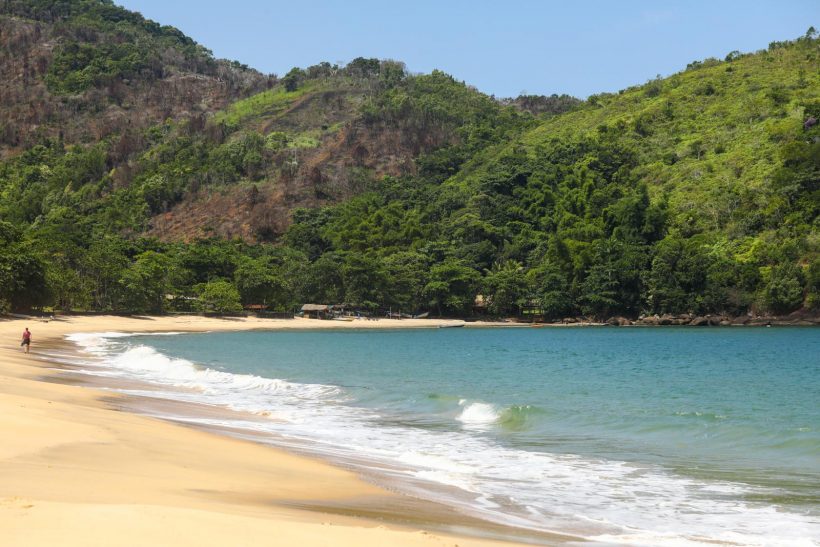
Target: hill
85	70
197	147
319	137
120	129
708	178
136	167
697	193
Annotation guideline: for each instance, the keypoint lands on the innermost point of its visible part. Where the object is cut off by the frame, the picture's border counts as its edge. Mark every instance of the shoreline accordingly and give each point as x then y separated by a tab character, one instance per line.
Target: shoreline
67	435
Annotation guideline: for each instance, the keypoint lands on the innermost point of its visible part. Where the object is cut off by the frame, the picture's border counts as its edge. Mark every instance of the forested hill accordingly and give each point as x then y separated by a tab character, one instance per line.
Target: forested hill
696	193
138	173
86	70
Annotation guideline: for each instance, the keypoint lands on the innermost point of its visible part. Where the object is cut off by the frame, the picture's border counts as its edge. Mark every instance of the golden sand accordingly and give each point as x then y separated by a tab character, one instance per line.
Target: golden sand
74	470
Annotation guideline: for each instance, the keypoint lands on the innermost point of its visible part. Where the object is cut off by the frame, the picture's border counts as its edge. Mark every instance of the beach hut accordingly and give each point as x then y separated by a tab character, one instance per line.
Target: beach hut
317	311
258	309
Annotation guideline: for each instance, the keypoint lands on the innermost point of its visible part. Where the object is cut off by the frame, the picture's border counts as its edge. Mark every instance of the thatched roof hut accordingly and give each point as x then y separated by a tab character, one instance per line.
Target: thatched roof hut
316	310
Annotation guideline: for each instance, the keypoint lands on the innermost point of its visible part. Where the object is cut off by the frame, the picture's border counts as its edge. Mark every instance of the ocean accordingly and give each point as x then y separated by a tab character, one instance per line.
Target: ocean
635	436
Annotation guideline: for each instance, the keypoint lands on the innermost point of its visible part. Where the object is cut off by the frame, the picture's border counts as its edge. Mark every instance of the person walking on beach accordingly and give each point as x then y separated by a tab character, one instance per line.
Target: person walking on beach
26	339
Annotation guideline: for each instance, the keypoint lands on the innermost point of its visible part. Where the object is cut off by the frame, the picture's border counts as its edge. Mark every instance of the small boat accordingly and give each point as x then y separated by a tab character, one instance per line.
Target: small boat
454	326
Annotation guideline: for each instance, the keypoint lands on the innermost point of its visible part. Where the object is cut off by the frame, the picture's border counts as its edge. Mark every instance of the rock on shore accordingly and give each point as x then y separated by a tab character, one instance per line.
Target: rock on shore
798	318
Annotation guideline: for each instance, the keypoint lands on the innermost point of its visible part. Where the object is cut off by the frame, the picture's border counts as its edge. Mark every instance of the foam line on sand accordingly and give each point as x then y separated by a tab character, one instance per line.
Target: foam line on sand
76	470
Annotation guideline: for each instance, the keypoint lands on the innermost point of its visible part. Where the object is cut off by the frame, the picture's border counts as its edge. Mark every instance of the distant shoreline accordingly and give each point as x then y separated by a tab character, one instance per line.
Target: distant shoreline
798	318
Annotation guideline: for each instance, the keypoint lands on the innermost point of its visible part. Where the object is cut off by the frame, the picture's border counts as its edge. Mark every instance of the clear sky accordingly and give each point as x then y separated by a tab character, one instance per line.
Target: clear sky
578	47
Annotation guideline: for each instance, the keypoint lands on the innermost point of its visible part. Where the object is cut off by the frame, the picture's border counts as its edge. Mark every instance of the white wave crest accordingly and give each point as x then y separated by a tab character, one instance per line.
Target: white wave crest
243	392
478	415
96	343
614	502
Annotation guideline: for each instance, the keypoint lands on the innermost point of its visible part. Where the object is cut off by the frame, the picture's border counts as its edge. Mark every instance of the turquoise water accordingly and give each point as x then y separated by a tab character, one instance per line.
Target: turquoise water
638	436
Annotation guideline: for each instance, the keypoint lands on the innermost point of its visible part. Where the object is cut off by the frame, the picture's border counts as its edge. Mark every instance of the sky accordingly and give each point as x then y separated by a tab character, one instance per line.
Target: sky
503	48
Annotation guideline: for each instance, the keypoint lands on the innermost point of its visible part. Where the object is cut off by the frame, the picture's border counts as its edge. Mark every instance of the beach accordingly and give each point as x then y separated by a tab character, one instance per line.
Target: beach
247	431
78	470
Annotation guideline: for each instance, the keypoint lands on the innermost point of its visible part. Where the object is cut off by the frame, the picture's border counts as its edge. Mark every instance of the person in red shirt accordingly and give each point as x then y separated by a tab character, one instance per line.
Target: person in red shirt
26	339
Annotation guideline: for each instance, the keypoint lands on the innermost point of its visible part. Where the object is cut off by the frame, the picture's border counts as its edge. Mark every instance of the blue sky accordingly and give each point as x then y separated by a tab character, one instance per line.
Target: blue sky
500	47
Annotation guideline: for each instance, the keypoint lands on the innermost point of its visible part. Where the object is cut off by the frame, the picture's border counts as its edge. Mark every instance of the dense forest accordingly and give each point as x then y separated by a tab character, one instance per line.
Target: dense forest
365	185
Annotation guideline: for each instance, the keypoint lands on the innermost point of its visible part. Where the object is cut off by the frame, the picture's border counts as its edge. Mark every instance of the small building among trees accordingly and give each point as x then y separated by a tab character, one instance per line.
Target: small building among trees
316	311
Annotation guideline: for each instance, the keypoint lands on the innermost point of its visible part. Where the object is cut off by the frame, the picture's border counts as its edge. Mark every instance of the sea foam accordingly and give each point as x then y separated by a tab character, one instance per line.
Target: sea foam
478	415
604	500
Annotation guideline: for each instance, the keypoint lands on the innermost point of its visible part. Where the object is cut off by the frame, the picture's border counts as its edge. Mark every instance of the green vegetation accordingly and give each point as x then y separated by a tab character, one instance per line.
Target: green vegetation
219	296
695	193
104	43
266	103
698	193
81	209
77	67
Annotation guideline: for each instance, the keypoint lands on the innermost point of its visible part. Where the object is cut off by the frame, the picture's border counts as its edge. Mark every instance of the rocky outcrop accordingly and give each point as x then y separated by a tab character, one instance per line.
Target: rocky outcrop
618	321
798	318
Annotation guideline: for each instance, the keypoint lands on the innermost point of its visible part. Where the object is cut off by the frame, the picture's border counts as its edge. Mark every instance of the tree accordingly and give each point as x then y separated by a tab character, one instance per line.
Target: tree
626	218
505	287
257	281
290	267
552	289
599	296
23	280
323	279
784	291
209	259
365	280
103	265
363	68
407	274
613	283
293	78
69	290
22	273
391	73
813	285
219	296
452	287
146	281
677	277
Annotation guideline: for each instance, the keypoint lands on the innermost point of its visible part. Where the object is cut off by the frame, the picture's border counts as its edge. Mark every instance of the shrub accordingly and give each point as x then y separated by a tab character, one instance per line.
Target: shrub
784	292
219	296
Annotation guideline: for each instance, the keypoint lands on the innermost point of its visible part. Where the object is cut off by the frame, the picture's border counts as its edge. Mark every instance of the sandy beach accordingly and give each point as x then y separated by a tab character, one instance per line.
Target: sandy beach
77	470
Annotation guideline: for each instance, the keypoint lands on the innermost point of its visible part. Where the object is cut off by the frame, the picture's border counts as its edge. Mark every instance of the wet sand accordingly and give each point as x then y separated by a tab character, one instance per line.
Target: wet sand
81	467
